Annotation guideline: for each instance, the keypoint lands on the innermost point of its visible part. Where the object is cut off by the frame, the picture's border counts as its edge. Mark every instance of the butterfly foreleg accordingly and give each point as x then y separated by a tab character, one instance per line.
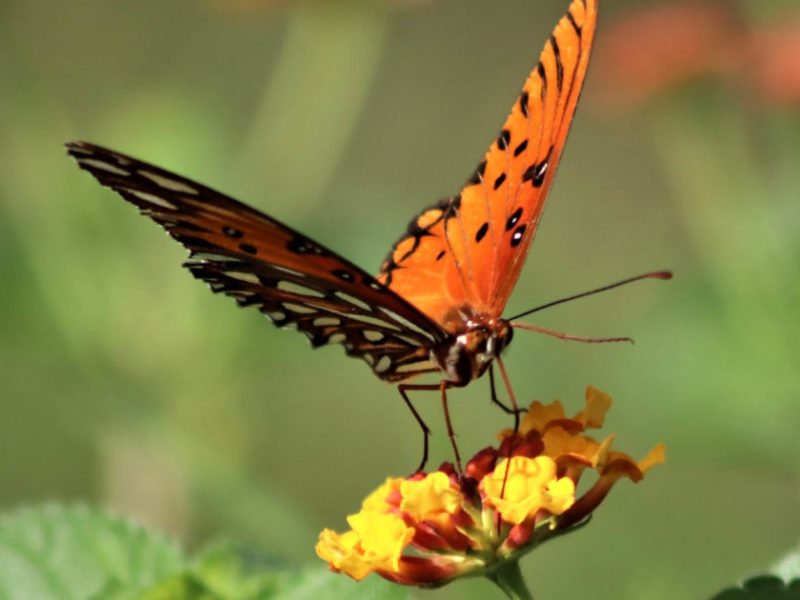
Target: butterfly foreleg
515	409
496	400
443	385
514	436
404	388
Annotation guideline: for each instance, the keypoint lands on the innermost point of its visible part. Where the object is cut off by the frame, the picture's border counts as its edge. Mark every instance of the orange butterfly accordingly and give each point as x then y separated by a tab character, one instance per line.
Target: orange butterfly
436	305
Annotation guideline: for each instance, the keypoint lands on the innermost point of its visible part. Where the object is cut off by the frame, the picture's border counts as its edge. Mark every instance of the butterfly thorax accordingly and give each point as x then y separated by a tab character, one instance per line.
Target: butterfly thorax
469	352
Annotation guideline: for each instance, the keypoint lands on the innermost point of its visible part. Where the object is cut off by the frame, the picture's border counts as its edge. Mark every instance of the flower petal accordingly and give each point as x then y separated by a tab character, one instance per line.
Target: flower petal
429	497
597	406
525	488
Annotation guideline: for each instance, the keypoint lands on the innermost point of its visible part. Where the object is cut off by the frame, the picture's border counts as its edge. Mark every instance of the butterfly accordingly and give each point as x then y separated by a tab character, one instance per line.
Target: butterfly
436	305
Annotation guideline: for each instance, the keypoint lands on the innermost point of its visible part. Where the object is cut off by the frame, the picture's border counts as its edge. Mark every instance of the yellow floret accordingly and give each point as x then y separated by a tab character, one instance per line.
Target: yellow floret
531	485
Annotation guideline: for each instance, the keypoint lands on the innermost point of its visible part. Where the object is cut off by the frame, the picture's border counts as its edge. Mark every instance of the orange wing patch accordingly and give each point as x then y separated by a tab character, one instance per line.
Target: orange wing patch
422	265
466	253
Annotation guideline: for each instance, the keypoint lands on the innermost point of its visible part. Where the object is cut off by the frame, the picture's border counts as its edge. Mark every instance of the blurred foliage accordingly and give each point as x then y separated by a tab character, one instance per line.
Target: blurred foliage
762	588
57	552
125	384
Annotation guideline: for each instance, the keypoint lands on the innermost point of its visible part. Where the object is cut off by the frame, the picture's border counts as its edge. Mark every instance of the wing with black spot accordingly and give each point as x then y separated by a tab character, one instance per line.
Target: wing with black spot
468	251
260	262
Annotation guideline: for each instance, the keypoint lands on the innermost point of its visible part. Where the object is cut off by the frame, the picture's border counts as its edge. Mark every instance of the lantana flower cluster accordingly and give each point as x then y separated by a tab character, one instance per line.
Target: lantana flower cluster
430	528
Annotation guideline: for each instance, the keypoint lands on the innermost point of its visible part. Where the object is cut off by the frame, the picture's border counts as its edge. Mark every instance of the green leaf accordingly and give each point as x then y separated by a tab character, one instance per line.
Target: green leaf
782	584
234	571
182	587
789	566
763	587
231	571
315	583
64	553
74	552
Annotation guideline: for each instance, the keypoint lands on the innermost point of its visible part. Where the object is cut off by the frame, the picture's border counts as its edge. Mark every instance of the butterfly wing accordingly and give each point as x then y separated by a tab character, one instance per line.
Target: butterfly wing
261	262
466	252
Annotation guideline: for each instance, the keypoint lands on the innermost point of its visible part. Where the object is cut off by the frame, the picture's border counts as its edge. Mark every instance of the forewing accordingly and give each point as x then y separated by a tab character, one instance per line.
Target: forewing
261	262
468	251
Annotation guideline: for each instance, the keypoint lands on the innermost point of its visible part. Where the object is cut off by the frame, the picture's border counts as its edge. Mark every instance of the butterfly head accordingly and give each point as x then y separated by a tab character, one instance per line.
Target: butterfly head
467	355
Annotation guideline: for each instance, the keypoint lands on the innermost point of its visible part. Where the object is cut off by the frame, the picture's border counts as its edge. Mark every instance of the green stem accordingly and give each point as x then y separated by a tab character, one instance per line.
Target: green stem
508	578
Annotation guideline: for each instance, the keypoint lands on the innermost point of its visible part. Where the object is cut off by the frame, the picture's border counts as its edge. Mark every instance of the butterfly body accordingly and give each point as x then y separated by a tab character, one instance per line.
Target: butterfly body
466	355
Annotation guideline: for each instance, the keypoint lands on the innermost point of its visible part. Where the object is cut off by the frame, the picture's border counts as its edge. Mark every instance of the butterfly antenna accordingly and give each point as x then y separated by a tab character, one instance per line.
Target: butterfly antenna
605	288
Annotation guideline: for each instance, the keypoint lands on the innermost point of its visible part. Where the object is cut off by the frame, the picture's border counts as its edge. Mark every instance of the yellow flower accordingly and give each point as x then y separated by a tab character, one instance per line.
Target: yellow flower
597	405
429	497
382	538
342	553
375	543
536	419
378	500
431	528
525	486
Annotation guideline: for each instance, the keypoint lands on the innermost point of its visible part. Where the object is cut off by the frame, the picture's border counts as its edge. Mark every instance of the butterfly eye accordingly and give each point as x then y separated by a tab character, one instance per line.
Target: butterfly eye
502	337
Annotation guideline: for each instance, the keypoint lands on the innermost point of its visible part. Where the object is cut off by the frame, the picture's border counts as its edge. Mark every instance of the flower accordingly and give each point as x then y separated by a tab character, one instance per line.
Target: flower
430	528
520	487
656	48
774	71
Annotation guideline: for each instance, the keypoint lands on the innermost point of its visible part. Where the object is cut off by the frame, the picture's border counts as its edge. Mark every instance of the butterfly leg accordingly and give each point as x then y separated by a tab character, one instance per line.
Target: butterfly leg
507	383
496	400
515	409
450	432
403	388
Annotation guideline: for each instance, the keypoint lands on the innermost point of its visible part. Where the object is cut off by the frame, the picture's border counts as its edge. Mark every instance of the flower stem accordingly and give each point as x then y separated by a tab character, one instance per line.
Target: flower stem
508	578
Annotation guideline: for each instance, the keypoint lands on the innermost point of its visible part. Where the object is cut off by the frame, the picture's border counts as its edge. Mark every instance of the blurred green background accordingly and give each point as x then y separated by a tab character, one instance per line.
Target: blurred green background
125	384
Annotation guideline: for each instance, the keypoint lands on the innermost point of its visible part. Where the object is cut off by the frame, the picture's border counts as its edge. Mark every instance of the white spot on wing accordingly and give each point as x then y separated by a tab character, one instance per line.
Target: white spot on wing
366	319
408	340
103	166
354	301
299	308
247	277
288	271
374	336
170	184
207	256
78	149
326	321
383	364
406	323
295	288
374	321
337	338
151	199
